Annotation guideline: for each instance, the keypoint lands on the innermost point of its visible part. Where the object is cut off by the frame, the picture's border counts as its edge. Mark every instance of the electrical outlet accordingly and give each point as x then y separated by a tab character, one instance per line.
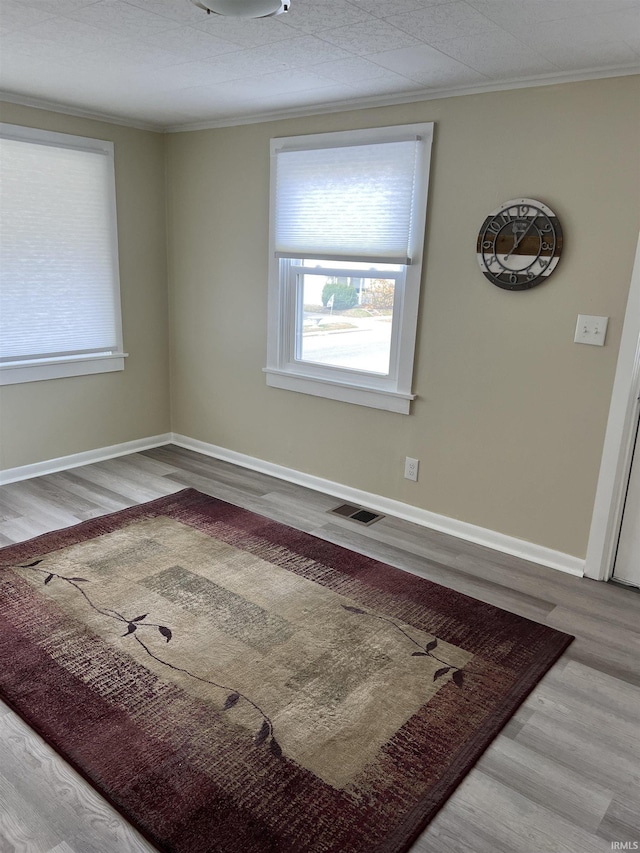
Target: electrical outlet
411	468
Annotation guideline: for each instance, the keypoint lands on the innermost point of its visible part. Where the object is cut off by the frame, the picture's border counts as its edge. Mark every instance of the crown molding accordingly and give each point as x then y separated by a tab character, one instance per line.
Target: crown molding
369	102
65	109
414	96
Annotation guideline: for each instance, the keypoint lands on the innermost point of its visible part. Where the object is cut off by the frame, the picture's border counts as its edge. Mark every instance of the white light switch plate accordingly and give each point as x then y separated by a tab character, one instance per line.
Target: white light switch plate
591	330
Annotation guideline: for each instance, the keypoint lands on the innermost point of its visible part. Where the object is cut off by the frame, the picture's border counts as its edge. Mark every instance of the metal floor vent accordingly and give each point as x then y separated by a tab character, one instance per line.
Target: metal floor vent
356	513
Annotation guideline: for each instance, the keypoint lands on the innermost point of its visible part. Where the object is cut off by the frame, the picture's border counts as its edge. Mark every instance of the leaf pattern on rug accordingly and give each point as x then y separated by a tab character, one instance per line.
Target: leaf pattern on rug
265	734
425	651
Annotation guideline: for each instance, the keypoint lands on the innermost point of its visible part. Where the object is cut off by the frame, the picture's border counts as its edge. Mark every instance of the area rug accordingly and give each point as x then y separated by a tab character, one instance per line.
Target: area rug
231	684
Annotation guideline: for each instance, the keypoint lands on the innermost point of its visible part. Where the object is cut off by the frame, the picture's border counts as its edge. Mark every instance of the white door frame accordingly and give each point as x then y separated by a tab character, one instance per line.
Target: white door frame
618	443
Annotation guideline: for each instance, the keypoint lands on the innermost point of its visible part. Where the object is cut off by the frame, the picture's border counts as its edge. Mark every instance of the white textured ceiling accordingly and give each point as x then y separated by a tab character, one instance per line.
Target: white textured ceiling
167	64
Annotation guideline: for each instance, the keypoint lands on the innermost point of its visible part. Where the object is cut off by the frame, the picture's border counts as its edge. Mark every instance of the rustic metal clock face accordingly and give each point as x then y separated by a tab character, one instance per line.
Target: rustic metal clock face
519	244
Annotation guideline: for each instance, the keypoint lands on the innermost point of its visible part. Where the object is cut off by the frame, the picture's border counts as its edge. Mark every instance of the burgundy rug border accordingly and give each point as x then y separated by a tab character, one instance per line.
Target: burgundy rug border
425	810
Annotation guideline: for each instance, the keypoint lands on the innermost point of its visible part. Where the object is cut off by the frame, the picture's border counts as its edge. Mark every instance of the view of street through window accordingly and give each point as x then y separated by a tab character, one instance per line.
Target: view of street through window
346	320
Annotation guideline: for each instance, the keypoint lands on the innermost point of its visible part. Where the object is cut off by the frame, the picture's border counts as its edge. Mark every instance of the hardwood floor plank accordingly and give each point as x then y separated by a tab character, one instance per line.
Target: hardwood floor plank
118	478
22	831
620	663
217	470
308	513
106	500
509	820
210	486
601	631
7	512
19	529
63	847
622	821
544	781
558	702
457	831
146	463
29	501
519	719
582	750
54	492
598	689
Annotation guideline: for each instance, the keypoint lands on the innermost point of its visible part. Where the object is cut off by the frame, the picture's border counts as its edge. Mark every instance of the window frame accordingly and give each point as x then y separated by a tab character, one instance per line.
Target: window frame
73	363
391	392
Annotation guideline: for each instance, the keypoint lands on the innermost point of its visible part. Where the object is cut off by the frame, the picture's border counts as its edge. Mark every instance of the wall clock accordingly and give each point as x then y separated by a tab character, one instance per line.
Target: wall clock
519	244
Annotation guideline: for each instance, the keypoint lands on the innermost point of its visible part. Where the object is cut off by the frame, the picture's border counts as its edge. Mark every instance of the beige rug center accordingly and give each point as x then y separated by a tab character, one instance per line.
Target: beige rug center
336	683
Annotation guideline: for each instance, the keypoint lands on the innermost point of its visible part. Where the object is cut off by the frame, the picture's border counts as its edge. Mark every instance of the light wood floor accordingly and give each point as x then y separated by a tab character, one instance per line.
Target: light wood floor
562	777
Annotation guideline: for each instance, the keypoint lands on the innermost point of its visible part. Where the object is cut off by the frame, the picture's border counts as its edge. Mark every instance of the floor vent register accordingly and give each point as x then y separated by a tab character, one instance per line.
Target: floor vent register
356	513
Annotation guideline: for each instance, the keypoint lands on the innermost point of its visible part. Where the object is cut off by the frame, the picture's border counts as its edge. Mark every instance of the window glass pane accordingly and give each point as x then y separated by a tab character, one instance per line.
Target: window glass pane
346	321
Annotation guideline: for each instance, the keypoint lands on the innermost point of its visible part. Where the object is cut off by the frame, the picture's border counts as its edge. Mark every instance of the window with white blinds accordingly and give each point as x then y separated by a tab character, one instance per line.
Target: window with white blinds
59	285
347	230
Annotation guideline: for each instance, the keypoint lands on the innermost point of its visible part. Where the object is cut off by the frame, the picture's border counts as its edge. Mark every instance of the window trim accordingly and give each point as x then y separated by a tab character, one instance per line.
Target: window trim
72	364
391	392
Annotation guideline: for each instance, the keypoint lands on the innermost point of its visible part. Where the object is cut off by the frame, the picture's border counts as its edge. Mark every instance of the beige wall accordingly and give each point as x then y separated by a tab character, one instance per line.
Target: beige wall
44	420
510	417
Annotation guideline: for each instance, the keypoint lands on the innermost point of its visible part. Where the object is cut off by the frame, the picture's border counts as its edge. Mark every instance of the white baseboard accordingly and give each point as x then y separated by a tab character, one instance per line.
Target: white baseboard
62	463
463	530
470	532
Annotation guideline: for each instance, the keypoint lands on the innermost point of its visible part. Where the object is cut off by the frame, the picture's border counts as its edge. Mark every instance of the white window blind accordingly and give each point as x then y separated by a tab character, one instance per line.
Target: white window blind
59	290
351	202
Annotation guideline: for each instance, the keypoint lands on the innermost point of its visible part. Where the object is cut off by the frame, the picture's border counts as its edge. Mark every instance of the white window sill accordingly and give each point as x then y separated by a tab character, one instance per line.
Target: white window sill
58	368
376	398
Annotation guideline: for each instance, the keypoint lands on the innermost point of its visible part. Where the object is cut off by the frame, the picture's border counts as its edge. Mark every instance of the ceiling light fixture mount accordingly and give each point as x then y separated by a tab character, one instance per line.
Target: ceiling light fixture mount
244	8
